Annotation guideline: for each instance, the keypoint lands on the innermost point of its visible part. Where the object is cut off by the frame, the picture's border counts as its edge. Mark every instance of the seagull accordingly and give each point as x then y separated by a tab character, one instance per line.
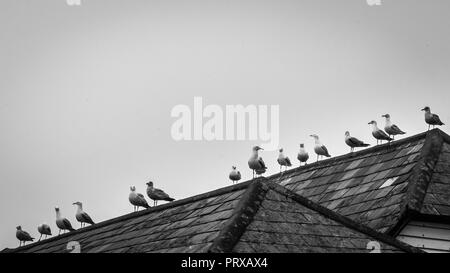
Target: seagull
302	156
379	134
353	142
256	163
82	216
283	160
235	175
62	223
23	236
157	194
137	199
431	119
390	128
44	229
319	148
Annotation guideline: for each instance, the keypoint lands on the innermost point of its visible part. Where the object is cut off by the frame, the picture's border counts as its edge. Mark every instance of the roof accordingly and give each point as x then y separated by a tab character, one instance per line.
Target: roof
382	187
254	216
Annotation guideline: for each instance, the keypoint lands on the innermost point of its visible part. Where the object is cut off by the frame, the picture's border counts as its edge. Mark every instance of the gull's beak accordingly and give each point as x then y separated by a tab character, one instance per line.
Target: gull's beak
423	109
369	123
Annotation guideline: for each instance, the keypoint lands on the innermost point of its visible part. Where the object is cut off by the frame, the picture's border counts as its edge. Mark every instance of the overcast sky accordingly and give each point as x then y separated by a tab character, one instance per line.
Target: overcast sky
86	92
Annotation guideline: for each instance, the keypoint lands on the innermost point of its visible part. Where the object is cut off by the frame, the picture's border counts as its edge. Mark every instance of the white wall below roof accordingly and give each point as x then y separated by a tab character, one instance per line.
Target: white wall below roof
431	237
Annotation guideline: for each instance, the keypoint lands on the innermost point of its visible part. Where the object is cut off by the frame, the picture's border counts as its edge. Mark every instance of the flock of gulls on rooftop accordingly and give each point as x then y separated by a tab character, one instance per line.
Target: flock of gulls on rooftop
258	167
255	163
63	224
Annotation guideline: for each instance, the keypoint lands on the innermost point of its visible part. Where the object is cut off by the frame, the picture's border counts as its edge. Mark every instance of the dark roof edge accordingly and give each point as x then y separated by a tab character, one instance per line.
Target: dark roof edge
242	216
180	202
411	215
421	177
344	220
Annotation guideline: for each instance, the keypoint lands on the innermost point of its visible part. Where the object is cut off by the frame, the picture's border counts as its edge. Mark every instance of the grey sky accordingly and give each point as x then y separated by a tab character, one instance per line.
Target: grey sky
86	92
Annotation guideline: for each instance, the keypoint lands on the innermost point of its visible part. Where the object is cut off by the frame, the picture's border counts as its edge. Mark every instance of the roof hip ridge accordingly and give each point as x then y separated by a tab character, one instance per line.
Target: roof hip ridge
420	177
242	216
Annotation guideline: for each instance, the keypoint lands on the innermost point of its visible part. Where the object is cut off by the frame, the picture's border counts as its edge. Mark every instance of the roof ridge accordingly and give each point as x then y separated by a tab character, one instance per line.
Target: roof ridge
242	216
326	162
420	177
342	219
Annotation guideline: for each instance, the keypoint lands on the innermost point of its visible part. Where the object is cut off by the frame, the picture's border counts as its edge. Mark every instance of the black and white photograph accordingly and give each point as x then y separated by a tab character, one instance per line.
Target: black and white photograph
244	128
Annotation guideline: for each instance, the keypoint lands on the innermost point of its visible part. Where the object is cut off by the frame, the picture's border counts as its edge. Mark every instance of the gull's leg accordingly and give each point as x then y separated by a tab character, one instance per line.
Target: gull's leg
40	238
59	232
317	158
280	168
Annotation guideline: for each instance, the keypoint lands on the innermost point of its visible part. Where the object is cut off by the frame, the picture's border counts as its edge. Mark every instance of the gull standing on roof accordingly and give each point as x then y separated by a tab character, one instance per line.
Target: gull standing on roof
235	175
379	134
302	156
353	142
82	216
44	229
23	236
157	194
390	128
62	223
283	160
137	199
256	163
431	119
319	148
